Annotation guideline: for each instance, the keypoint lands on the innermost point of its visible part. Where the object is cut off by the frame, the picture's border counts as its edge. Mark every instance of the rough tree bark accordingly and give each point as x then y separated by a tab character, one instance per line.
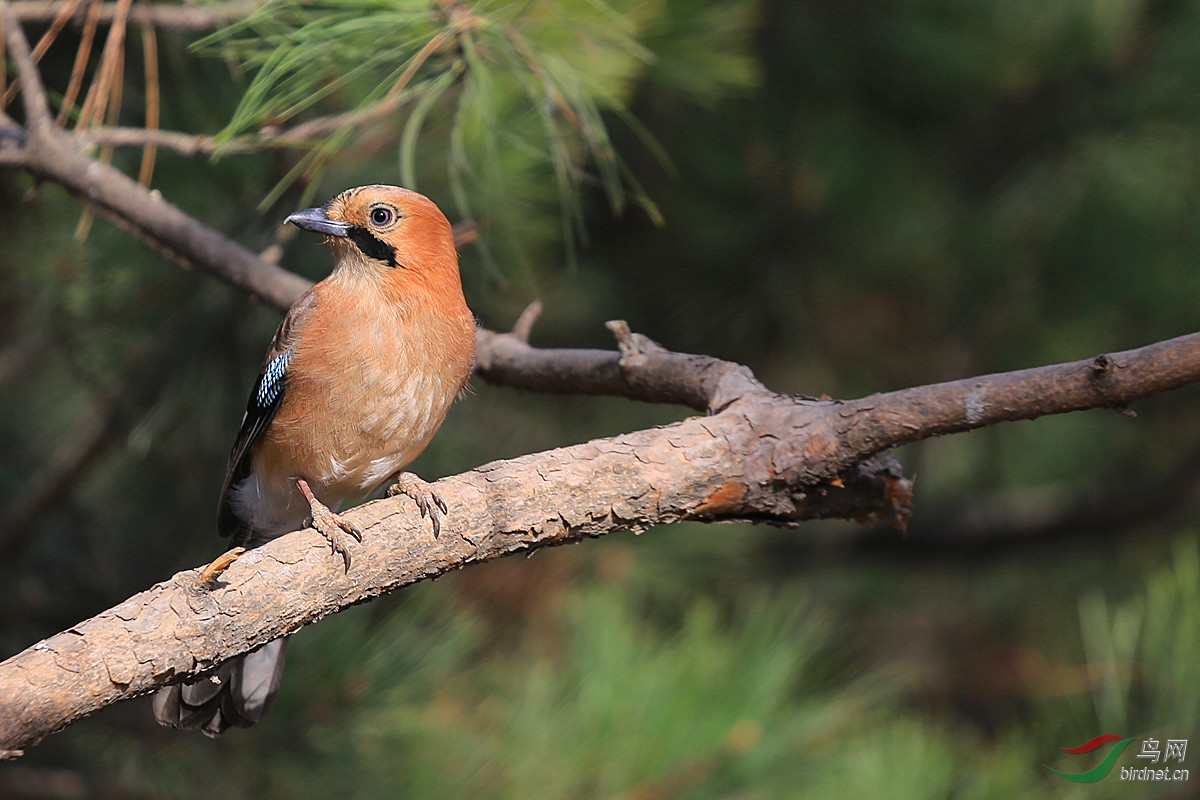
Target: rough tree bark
755	455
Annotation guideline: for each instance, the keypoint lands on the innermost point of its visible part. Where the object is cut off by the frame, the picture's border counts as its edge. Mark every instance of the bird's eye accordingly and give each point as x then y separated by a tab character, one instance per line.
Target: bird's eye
381	216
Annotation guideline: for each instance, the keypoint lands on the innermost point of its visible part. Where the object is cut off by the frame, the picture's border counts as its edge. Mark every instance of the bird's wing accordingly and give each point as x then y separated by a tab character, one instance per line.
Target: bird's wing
264	401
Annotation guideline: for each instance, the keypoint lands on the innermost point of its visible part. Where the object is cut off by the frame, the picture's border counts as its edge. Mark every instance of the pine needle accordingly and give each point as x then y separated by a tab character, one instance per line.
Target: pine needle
150	56
81	59
39	49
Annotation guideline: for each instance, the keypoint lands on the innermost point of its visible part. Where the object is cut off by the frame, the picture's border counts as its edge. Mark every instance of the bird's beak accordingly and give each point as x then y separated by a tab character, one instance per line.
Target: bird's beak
314	219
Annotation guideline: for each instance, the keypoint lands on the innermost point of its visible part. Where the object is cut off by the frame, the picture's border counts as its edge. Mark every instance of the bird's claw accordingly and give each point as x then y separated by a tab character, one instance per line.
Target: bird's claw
329	524
428	501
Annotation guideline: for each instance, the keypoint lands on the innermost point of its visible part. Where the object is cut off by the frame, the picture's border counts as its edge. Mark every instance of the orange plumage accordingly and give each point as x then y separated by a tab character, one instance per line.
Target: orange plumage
356	382
379	354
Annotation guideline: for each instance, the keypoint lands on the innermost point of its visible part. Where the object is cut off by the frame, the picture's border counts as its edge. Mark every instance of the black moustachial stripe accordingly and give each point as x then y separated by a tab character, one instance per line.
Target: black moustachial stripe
372	247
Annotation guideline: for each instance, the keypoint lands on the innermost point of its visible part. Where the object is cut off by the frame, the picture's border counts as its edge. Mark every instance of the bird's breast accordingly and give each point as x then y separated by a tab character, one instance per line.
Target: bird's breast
364	397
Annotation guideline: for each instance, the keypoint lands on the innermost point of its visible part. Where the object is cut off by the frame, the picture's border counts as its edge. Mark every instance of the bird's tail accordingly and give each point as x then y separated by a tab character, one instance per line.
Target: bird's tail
239	693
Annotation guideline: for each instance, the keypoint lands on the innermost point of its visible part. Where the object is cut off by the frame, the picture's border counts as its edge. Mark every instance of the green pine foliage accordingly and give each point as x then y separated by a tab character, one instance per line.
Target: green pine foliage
517	95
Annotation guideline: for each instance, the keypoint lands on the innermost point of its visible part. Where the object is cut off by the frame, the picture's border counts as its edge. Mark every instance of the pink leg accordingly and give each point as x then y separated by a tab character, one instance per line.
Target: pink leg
329	524
426	497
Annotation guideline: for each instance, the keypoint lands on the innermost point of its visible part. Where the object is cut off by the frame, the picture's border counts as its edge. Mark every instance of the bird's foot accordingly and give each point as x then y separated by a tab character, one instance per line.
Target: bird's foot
426	497
329	524
220	564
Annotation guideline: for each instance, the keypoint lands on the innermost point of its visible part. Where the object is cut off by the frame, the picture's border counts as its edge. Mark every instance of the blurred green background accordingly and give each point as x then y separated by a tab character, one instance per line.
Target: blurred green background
854	197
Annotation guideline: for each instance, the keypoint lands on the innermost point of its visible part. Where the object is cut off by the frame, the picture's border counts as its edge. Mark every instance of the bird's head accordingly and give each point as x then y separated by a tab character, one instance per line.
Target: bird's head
385	228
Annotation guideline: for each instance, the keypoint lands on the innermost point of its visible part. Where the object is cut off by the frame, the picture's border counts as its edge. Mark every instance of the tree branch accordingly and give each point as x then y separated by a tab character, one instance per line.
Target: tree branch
177	17
1107	381
765	458
188	144
33	94
642	370
47	152
701	468
303	136
147	215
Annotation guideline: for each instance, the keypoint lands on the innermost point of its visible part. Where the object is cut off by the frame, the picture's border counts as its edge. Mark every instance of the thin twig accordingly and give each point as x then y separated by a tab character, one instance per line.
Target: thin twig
393	101
303	136
418	60
524	324
466	233
55	157
175	17
189	144
33	94
656	375
321	127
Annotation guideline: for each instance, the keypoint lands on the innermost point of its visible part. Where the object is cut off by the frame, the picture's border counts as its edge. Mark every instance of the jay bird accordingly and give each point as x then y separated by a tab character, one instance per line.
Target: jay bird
358	377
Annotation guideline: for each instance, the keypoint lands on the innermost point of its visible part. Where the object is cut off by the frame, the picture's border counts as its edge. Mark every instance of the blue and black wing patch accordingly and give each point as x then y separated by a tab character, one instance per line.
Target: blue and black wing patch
260	410
264	402
269	390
